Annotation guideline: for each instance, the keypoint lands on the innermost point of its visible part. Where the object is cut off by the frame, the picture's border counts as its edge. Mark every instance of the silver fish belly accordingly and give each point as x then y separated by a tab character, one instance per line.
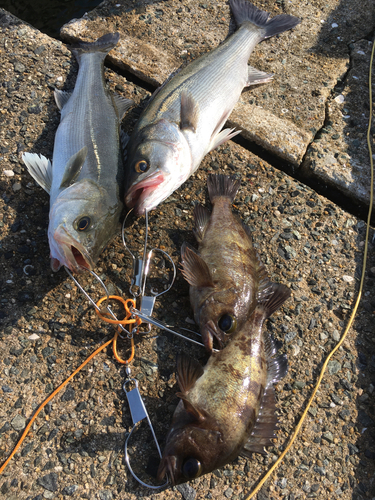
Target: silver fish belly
86	175
184	118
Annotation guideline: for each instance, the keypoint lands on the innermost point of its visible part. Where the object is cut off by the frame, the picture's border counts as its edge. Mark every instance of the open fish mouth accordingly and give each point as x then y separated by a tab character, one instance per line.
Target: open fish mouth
65	251
166	469
142	191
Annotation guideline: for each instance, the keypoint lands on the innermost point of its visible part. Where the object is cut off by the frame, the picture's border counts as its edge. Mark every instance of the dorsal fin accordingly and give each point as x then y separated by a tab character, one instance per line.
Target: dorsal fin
194	268
188	372
201	218
73	167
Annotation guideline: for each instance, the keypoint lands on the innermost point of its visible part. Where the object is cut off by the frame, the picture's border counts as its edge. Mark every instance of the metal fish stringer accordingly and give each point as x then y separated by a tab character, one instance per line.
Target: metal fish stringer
136	285
138	412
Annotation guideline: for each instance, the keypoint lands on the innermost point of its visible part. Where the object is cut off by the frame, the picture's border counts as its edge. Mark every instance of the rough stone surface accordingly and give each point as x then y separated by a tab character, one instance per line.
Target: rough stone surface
47	327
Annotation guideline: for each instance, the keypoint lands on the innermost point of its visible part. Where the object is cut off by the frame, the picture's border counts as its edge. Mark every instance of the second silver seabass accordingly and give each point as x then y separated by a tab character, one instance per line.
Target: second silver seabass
184	118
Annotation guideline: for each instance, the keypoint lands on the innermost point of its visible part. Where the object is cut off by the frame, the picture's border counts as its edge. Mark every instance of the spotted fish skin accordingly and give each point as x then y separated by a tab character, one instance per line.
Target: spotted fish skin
184	119
226	276
227	408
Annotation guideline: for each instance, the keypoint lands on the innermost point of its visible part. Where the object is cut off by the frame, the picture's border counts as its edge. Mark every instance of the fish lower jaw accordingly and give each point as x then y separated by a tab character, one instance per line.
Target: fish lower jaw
73	259
140	196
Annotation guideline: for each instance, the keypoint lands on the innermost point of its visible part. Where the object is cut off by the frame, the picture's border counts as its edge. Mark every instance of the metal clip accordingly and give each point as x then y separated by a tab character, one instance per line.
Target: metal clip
106	305
138	412
148	301
136	285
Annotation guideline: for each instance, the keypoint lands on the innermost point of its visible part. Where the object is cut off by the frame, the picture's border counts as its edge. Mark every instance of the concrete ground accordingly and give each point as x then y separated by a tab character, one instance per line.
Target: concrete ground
304	168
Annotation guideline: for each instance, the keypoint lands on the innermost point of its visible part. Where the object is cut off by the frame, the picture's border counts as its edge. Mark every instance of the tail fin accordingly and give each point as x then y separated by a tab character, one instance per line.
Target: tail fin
244	11
222	185
103	44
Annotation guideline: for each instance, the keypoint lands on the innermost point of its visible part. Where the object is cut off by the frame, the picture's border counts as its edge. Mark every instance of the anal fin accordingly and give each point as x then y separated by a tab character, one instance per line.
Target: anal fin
201	218
256	77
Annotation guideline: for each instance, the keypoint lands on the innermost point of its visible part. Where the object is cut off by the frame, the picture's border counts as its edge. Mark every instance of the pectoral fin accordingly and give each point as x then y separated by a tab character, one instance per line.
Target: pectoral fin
189	112
194	268
73	167
40	168
188	372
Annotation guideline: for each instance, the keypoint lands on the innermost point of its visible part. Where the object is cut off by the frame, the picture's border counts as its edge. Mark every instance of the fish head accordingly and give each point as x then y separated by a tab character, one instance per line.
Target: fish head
190	452
219	313
82	221
158	165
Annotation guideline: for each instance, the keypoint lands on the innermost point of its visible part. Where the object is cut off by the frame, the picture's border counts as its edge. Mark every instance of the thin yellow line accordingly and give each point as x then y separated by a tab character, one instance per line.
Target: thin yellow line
299	425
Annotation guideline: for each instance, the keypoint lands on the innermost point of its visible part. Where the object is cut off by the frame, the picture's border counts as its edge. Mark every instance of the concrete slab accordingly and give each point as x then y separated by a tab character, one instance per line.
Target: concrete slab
285	116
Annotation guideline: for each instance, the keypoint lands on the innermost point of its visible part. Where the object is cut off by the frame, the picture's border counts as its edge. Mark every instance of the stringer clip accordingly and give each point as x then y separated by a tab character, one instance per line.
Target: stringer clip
138	412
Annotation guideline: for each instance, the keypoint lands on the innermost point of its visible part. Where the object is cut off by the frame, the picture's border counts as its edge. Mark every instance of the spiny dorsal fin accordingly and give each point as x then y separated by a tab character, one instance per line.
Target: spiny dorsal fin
40	169
61	98
189	112
201	217
73	167
194	268
188	372
223	186
122	105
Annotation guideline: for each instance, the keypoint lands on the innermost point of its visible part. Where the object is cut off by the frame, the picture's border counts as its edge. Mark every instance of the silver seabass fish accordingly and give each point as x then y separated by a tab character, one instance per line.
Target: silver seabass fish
227	408
85	178
184	118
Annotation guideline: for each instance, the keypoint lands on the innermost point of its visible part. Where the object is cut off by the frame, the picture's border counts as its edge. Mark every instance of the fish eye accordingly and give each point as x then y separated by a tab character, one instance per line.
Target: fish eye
141	166
83	223
227	323
191	468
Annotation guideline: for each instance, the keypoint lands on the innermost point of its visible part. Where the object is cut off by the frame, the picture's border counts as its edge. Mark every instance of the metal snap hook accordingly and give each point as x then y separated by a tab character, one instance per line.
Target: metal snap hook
138	412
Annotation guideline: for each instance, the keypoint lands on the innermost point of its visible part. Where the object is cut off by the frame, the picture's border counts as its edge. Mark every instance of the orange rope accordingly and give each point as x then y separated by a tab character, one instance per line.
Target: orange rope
128	320
51	396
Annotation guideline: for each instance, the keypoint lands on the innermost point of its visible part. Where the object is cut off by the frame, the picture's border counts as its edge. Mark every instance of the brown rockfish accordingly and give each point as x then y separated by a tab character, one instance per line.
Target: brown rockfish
227	408
226	276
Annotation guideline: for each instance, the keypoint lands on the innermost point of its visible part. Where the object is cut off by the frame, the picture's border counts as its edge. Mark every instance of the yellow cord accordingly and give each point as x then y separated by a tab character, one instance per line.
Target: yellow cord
299	425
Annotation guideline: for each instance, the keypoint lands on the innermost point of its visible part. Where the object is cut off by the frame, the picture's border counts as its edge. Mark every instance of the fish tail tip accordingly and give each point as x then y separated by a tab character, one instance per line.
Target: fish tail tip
244	11
223	186
104	44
